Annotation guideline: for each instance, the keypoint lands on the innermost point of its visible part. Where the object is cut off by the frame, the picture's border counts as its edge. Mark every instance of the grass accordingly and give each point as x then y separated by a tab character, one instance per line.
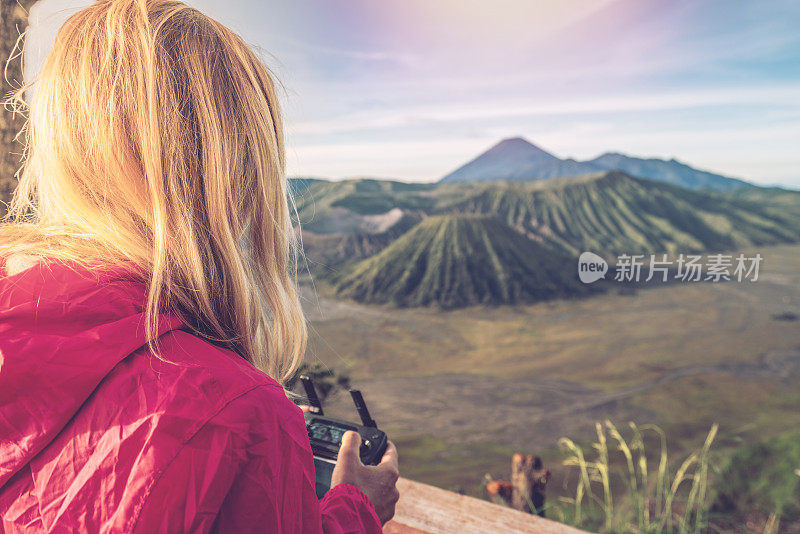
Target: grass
762	477
656	501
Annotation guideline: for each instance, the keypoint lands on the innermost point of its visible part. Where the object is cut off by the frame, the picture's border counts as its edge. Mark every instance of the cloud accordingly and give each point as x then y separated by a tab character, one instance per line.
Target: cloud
399	116
360	55
412	88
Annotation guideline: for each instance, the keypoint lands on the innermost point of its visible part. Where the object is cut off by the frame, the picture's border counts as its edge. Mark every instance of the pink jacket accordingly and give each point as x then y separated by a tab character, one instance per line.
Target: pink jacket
98	436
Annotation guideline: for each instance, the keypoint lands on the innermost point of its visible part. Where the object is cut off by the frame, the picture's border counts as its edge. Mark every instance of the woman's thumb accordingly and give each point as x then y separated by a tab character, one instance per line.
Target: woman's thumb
349	450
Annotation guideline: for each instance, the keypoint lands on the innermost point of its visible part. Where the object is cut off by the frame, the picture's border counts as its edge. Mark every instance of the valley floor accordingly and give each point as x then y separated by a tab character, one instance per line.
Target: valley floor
460	391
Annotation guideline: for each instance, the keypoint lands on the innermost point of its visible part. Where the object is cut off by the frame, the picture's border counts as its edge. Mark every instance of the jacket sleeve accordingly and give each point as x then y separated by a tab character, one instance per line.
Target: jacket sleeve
346	509
250	469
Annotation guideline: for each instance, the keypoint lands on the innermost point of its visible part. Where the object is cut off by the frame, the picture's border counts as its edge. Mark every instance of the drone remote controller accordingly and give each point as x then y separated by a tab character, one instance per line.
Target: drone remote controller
325	434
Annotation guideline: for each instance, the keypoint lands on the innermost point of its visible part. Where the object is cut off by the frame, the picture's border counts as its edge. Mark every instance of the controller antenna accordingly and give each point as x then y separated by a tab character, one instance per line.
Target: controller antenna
311	394
361	407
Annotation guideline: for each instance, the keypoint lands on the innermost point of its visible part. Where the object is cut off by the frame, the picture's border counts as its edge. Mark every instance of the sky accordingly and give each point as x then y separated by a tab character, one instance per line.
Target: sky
412	89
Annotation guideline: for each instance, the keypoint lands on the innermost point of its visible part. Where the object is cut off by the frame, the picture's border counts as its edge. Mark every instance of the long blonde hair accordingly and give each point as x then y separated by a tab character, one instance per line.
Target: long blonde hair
154	136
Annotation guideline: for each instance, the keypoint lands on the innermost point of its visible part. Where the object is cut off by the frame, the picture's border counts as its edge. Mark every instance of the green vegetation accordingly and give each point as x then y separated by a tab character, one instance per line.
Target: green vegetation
613	213
763	476
610	212
457	260
622	489
530	230
320	204
653	500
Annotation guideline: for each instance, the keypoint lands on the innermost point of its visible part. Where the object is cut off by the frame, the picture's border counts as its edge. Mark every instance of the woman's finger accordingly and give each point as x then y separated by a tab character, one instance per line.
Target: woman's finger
390	456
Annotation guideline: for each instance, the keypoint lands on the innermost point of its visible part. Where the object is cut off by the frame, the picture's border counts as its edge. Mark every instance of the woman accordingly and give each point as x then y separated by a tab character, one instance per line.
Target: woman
148	312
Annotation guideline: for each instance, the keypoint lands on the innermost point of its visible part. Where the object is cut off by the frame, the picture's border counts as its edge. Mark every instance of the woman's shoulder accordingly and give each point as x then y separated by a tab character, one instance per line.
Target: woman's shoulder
216	396
192	371
191	385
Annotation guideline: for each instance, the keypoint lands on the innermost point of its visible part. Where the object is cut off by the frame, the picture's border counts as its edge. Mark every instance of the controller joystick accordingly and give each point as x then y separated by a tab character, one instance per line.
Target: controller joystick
325	434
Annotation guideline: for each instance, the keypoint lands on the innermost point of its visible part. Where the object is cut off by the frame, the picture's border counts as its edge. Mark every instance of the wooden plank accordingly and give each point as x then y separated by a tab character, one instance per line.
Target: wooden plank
424	509
393	527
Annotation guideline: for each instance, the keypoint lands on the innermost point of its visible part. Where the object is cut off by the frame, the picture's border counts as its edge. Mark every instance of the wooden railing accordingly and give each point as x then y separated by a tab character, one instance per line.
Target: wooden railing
424	509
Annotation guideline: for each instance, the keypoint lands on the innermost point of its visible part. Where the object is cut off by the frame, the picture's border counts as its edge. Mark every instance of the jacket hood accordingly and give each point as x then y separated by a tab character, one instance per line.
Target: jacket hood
63	328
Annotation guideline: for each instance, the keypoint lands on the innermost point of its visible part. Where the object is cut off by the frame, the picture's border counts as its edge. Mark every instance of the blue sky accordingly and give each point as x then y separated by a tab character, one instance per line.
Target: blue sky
411	89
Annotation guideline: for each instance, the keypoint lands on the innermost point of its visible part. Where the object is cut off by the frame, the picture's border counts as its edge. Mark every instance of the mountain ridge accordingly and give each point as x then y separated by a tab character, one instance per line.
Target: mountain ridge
670	171
517	159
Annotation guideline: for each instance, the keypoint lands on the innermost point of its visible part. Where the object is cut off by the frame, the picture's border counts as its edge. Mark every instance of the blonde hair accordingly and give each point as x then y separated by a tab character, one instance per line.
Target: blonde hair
154	136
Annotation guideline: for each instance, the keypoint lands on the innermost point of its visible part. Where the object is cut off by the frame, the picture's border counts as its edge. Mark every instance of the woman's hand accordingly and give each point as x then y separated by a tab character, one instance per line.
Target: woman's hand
378	482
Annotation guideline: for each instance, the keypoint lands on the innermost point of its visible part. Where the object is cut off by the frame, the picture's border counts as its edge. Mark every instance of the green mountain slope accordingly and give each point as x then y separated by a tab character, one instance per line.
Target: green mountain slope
507	242
615	213
787	199
324	252
456	260
334	207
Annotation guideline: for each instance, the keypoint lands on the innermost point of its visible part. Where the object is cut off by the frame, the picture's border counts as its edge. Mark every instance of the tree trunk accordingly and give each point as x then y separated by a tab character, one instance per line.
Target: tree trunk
13	21
528	481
